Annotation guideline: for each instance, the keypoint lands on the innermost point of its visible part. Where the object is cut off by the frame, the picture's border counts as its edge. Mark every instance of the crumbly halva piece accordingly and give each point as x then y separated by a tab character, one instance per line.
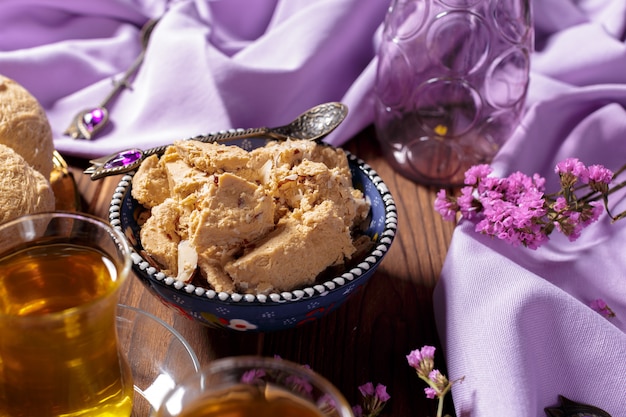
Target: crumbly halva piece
210	158
150	185
266	220
159	235
230	211
308	243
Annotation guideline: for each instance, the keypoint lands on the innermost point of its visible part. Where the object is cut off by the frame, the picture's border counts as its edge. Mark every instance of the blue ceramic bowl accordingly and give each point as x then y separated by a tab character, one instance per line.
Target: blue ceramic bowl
275	311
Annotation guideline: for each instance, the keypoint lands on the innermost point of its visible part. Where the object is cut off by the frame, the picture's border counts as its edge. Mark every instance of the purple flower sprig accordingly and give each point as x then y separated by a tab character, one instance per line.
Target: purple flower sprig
373	401
602	307
516	208
423	361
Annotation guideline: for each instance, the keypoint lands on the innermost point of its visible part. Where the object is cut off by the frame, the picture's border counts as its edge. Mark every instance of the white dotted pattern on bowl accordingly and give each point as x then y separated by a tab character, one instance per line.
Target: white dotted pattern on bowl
383	244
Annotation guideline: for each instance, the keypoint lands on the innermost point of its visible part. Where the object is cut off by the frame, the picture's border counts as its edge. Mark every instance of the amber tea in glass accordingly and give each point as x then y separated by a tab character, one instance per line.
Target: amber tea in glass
250	386
60	275
244	401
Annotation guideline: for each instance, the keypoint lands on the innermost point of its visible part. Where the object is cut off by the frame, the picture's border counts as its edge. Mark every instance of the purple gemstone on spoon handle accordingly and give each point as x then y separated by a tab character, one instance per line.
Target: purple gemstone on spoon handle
93	118
124	158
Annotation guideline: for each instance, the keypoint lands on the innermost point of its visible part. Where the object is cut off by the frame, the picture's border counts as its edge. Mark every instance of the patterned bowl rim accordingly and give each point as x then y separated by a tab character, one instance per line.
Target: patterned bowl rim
370	261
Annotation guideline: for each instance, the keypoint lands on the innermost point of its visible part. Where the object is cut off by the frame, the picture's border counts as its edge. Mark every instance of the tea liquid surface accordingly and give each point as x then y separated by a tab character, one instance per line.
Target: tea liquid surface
246	402
51	278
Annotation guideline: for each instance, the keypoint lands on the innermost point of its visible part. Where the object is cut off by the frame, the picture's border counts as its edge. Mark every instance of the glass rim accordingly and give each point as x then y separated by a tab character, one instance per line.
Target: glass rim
157	320
118	238
244	362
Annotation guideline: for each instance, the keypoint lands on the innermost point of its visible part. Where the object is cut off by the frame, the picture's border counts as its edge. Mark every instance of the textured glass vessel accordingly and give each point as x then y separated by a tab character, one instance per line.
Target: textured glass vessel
451	83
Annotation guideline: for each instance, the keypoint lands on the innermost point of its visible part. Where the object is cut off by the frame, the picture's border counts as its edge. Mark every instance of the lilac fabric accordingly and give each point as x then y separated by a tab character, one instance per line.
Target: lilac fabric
209	66
516	323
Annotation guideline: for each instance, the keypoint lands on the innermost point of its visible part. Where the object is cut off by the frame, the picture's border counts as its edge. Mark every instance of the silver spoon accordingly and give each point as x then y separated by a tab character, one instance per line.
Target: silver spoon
314	124
89	122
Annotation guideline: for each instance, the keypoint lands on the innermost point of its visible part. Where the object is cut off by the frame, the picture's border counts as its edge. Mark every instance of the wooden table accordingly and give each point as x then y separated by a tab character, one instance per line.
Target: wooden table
368	337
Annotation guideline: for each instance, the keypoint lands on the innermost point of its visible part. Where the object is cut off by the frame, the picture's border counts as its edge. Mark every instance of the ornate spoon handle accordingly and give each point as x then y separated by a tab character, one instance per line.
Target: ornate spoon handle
87	123
130	159
314	124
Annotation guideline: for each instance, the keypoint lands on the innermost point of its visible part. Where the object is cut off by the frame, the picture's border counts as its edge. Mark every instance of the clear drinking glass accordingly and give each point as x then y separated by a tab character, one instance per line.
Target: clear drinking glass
451	83
253	386
60	275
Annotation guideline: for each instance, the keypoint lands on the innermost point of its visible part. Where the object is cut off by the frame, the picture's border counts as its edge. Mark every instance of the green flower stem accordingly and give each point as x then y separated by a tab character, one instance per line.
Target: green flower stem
440	407
593	195
606	202
440	394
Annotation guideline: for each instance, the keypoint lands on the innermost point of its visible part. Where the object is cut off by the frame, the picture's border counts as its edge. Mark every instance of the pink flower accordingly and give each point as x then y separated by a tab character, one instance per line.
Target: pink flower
560	204
569	224
476	174
430	393
374	400
516	213
438	385
367	389
446	206
598	304
438	381
327	404
428	352
253	376
570	171
422	360
517	210
600	178
601	307
414	358
381	393
438	378
467	203
418	356
592	213
540	182
574	167
600	174
298	384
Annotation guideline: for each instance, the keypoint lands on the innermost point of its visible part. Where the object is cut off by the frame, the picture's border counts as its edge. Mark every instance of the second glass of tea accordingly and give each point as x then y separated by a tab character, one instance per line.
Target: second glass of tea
60	275
254	386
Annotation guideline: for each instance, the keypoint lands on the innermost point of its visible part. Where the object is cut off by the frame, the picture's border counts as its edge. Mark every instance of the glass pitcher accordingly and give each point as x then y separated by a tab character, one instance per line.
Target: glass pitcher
451	83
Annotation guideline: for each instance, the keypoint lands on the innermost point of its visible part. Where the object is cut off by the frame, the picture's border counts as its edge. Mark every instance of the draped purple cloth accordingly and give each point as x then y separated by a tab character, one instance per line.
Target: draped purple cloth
515	323
209	65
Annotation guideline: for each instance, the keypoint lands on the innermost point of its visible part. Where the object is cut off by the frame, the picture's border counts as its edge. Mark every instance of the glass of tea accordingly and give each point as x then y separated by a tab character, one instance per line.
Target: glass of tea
60	275
254	386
